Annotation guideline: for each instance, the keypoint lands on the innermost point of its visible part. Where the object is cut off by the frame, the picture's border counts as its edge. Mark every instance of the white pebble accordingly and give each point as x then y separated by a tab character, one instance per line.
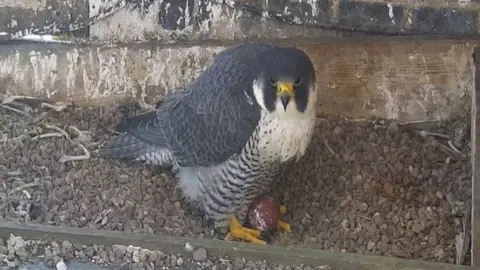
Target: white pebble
61	265
188	247
180	261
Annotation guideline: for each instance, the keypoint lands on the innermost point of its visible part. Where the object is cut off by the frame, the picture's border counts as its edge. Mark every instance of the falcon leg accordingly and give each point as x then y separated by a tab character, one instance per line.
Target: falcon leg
282	225
240	232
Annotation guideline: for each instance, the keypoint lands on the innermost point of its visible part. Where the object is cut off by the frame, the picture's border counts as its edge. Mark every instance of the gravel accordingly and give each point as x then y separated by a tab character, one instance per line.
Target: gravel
363	187
64	255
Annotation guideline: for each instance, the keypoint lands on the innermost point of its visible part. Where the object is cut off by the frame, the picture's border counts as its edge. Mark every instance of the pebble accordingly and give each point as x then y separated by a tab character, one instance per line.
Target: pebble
392	128
331	194
173	260
180	261
370	245
200	255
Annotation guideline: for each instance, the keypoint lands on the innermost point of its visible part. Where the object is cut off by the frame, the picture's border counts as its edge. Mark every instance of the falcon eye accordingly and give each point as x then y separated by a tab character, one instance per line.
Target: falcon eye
298	81
273	82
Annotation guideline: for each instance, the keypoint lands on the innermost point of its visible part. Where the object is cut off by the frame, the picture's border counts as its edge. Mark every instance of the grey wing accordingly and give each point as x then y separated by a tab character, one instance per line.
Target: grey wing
212	118
207	126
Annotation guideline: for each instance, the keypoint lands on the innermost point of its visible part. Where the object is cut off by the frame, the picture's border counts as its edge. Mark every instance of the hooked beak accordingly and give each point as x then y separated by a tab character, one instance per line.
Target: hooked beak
285	98
285	91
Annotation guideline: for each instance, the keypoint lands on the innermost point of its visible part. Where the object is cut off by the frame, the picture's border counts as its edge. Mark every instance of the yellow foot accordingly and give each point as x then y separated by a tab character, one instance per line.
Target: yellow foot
240	232
282	225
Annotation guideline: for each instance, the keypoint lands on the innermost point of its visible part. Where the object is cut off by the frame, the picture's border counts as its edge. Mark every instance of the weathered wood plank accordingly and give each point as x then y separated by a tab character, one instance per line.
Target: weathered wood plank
475	135
407	80
174	244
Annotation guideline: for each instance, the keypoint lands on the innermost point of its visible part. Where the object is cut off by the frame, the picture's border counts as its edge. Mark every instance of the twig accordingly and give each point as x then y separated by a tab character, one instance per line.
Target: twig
11	99
48	135
56	107
15	110
328	147
59	130
22	187
83	136
462	239
425	134
66	158
450	143
27	194
448	150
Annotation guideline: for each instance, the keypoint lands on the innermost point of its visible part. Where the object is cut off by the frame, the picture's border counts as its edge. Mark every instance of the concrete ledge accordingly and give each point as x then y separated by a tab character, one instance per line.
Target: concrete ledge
396	79
174	244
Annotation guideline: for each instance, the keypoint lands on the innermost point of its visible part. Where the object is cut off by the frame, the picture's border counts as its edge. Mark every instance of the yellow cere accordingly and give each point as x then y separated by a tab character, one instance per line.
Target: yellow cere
285	87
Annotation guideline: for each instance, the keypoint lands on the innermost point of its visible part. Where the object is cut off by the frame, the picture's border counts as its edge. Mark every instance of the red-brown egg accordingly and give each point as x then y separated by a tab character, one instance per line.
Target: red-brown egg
264	213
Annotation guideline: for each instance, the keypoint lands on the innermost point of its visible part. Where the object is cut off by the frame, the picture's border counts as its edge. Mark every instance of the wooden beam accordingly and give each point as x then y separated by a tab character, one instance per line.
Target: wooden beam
175	244
475	135
406	80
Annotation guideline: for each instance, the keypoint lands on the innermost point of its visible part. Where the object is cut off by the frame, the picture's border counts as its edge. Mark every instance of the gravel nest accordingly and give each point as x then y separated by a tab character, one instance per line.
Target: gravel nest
363	187
15	251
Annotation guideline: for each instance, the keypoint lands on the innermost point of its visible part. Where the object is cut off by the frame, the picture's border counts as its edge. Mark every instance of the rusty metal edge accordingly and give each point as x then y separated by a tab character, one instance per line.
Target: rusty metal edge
175	244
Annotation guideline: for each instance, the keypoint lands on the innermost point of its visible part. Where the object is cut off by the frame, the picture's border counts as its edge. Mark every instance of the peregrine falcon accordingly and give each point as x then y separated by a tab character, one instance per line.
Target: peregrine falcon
229	131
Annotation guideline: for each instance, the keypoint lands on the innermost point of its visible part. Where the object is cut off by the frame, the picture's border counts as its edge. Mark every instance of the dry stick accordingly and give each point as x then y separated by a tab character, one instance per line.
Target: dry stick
48	135
66	158
59	130
450	143
11	99
83	136
424	134
56	107
15	110
328	147
22	187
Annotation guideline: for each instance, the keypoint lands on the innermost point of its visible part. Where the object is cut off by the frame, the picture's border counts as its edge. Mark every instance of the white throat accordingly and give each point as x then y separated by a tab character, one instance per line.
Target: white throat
291	113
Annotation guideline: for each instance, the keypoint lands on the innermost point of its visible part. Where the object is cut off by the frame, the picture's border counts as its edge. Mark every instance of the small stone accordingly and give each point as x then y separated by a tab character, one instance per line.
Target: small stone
337	130
413	171
89	251
22	255
363	207
344	224
370	245
119	250
439	195
388	189
417	227
57	259
48	253
173	260
67	249
135	256
60	265
180	261
398	252
392	128
200	255
238	263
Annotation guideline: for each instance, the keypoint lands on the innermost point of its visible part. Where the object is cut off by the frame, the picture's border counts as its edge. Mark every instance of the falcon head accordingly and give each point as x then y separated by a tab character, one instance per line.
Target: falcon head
286	85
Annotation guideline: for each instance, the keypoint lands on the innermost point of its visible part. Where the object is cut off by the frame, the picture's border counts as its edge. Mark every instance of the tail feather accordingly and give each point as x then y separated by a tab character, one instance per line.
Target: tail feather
124	146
